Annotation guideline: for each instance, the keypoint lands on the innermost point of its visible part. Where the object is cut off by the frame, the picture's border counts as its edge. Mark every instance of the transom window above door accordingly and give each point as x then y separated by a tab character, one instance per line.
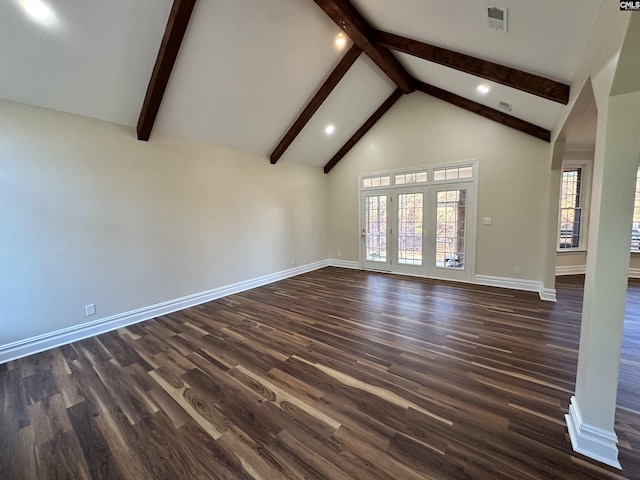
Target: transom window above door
463	172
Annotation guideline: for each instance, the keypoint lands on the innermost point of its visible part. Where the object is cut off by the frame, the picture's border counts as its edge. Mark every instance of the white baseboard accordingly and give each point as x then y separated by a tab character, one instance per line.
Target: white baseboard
571	270
582	269
593	442
547	294
333	262
29	346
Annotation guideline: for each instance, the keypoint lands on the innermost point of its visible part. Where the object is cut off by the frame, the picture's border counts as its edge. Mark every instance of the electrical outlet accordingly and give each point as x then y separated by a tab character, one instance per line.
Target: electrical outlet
90	309
486	221
293	260
339	253
516	270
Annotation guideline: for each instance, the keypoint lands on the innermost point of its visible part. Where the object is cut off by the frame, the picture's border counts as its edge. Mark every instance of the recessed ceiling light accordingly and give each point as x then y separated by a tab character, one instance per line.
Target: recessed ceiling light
341	41
39	11
329	129
36	9
483	89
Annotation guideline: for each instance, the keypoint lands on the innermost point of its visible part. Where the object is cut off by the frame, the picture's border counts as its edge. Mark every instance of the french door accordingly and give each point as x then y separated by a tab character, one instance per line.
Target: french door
421	231
374	232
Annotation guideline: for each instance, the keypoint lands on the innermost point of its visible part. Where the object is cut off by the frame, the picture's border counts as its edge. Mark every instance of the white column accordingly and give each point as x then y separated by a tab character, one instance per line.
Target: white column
555	176
592	411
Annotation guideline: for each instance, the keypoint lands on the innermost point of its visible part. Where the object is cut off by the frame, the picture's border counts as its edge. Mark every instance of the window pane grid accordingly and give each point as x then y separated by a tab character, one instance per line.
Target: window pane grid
417	177
570	208
450	228
414	177
452	173
376	228
378	181
410	214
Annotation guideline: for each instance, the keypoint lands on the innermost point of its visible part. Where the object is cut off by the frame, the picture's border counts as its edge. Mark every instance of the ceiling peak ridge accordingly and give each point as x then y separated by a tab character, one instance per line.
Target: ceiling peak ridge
355	26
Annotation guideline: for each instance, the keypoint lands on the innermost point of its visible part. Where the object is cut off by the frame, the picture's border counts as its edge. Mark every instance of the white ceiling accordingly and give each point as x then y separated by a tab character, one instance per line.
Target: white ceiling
545	37
247	68
536	110
94	59
362	90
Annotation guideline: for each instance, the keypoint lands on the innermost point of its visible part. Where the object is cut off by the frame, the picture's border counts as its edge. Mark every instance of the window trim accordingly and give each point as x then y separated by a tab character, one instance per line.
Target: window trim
471	184
585	204
428	169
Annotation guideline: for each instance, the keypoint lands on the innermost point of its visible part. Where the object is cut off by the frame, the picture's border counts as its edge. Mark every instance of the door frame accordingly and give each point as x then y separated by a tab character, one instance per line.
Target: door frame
396	266
468	273
386	183
364	263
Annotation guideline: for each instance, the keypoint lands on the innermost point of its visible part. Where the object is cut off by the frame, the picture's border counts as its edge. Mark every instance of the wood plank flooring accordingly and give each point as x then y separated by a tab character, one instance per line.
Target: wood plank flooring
334	374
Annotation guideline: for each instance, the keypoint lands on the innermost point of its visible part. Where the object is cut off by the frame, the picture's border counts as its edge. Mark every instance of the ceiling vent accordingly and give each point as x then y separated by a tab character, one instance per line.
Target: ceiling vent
504	106
497	18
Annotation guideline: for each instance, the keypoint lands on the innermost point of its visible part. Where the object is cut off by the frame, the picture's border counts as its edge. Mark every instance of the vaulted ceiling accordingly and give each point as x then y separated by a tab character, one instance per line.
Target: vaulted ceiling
267	77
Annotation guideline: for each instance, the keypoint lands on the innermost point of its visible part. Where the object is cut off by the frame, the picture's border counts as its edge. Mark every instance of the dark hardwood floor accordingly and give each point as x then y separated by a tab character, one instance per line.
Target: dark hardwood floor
334	374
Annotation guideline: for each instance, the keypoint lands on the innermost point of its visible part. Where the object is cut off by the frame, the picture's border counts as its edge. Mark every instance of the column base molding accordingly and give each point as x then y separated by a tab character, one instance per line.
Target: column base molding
591	441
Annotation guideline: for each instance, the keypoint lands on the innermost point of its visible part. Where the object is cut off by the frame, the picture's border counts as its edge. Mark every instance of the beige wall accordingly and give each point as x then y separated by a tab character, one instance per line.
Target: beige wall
513	186
573	260
89	214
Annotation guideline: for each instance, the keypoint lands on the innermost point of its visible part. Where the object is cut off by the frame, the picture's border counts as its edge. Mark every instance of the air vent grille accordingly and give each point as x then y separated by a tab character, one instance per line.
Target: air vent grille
497	18
504	106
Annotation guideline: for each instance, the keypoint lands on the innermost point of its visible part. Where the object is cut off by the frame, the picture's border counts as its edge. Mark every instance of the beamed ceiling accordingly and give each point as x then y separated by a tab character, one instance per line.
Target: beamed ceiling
267	77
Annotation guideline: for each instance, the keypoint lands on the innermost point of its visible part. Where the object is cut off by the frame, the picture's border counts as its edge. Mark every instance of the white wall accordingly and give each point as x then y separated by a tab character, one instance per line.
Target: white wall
596	65
88	214
513	184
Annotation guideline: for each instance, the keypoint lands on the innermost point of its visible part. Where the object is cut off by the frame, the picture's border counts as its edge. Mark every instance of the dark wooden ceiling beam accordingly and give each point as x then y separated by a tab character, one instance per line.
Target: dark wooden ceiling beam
321	95
511	77
347	17
171	41
487	112
388	103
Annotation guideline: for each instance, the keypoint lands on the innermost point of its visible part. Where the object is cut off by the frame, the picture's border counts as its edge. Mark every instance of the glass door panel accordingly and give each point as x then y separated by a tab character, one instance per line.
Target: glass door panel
420	223
374	232
450	228
410	228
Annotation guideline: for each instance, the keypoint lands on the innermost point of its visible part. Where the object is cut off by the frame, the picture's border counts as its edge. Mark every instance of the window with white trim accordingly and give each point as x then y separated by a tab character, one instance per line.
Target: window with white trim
376	181
409	178
574	189
454	173
424	175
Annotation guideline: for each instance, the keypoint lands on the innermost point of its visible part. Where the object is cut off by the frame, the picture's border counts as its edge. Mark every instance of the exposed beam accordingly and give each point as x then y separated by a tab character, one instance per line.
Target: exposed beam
347	17
173	35
321	95
388	103
511	77
495	115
